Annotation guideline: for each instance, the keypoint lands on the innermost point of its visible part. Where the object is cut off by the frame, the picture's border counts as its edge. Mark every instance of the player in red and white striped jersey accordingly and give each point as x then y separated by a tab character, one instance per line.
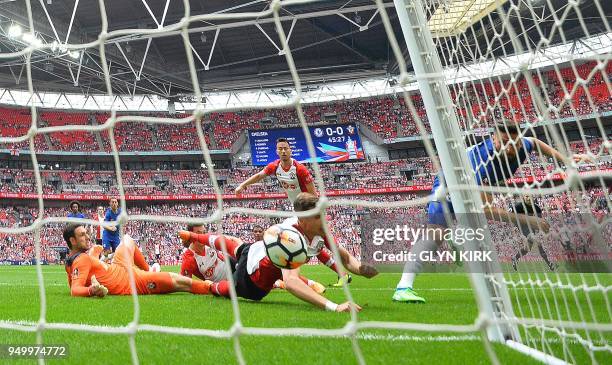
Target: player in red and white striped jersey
205	260
293	177
255	274
96	231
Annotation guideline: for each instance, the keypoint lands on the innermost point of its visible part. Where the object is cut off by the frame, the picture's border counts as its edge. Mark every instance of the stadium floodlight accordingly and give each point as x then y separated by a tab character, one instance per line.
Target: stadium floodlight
31	39
14	31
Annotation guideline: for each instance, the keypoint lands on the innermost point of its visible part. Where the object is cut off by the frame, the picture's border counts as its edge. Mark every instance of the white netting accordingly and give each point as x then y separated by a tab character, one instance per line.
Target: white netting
534	313
574	89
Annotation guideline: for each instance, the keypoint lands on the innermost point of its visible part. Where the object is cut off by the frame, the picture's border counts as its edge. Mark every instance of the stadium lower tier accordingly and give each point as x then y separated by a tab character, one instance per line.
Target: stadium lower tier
349	225
410	175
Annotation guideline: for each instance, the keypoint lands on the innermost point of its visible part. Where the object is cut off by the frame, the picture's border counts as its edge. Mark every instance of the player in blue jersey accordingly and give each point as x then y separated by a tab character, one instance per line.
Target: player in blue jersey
110	235
75	210
493	161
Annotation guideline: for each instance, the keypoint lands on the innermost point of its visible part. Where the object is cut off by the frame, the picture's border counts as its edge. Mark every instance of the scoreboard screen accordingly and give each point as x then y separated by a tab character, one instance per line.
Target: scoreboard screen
333	143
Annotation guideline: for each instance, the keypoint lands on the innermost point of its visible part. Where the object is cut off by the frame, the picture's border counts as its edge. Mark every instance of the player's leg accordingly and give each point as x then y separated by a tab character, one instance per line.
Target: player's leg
127	254
168	282
243	283
108	249
326	259
231	245
182	283
521	252
524	250
95	251
404	291
550	265
221	289
317	287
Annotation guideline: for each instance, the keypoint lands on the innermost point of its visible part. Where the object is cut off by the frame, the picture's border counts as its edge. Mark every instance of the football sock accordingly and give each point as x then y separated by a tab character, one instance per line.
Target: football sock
413	267
221	289
327	259
230	245
200	287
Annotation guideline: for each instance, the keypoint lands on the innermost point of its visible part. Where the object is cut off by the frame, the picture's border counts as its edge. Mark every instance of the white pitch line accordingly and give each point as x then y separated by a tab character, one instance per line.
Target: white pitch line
31	285
352	289
361	336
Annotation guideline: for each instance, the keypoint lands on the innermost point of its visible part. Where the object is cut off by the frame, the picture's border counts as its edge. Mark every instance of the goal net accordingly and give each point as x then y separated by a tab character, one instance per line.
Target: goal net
517	63
469	65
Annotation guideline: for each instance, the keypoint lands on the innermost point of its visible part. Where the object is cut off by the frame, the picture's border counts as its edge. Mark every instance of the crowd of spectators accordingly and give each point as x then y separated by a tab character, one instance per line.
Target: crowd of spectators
577	213
389	174
477	104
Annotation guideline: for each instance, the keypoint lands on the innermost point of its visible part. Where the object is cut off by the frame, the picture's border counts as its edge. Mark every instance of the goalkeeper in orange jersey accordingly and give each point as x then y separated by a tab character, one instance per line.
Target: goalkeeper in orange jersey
88	276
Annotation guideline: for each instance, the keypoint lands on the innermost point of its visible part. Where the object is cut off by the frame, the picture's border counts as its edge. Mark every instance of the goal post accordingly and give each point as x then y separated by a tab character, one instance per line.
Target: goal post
482	64
453	159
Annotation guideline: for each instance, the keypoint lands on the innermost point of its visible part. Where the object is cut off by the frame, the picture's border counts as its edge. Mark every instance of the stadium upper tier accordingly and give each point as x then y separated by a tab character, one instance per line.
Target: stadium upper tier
479	103
340	178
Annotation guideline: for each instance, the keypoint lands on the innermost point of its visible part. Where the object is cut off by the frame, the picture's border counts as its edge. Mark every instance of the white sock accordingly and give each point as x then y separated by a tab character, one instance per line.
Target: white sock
412	268
407	280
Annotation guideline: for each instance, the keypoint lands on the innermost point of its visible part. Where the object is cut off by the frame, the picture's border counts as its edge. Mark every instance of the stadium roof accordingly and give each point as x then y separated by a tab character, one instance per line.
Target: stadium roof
454	16
330	41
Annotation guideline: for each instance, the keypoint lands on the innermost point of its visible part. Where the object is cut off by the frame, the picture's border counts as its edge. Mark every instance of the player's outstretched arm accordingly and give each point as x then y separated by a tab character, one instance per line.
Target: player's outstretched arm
295	285
355	266
250	181
552	152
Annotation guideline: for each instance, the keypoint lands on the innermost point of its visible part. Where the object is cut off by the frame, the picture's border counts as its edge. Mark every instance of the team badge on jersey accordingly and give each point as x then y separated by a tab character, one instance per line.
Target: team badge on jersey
151	285
315	246
75	273
292	176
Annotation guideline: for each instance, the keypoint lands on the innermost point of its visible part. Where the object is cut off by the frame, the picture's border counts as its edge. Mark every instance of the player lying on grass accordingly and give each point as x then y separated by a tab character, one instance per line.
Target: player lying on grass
294	178
529	207
493	161
205	260
88	276
255	274
324	257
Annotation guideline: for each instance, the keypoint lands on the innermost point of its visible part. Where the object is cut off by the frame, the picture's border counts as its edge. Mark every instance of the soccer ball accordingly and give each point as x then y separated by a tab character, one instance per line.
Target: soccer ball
285	247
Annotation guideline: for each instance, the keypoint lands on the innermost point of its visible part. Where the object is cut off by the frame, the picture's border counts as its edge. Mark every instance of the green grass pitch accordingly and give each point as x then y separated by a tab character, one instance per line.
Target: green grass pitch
450	300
